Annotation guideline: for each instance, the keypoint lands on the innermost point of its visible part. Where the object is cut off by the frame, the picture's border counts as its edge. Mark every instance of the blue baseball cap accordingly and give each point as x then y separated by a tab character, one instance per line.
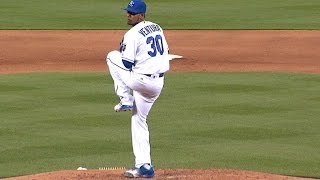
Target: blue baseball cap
137	7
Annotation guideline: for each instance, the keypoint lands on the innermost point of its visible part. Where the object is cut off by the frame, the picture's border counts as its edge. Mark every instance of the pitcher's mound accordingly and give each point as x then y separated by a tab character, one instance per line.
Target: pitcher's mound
160	174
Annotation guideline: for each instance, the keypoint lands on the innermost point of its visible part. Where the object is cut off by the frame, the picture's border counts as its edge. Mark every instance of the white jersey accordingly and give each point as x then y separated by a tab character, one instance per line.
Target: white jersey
145	46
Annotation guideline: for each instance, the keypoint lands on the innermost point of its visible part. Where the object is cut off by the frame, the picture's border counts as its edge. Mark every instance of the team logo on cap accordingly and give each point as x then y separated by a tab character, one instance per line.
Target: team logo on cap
131	3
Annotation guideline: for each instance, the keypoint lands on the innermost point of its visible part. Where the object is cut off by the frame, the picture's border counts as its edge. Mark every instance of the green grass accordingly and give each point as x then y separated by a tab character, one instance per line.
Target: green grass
266	122
171	14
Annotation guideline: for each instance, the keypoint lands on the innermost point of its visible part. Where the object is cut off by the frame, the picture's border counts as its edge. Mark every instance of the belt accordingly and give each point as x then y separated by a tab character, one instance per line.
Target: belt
155	75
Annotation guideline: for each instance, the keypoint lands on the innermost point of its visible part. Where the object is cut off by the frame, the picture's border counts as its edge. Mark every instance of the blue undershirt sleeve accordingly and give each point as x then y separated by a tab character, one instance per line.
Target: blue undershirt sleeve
127	64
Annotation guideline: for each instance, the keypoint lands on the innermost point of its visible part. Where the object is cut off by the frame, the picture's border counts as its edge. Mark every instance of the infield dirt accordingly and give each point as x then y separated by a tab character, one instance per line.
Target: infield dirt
203	51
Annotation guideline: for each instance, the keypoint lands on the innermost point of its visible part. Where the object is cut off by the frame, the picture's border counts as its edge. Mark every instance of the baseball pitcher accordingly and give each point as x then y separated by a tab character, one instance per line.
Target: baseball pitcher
138	71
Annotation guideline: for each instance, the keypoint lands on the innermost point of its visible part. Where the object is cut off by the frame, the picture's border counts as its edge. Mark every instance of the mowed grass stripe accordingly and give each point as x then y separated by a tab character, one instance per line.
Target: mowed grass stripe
170	14
265	122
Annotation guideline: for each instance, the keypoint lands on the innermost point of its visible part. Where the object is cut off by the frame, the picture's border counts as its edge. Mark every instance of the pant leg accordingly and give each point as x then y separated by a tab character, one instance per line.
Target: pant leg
140	130
145	94
121	77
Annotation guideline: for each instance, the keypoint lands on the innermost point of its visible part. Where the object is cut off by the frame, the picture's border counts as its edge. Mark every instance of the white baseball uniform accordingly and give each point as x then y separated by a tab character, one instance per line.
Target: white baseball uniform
145	46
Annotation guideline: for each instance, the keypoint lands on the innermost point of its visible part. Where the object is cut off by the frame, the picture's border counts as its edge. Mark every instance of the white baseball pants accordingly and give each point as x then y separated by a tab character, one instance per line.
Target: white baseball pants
145	91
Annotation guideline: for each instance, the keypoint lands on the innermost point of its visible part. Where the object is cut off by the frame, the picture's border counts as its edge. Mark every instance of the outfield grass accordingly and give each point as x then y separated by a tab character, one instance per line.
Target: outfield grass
171	14
265	122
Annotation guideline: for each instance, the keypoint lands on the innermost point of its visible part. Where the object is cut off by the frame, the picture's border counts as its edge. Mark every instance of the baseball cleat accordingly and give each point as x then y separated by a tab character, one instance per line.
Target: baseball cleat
119	107
145	171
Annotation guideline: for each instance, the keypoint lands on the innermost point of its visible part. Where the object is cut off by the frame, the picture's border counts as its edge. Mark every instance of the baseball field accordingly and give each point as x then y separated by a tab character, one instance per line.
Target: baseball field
243	103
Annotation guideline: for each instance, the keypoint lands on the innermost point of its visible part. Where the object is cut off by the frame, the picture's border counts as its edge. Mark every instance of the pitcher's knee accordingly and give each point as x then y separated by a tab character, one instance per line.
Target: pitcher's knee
114	56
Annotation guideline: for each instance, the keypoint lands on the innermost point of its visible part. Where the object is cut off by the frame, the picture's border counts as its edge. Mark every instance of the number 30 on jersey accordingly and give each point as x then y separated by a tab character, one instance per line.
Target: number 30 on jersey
156	45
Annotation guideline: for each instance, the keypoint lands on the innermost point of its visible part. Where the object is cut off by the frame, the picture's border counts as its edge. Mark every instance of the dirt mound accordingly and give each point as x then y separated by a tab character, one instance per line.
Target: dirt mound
160	174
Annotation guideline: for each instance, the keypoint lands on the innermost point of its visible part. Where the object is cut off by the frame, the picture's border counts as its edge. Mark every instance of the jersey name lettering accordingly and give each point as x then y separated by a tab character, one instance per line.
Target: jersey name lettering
149	29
